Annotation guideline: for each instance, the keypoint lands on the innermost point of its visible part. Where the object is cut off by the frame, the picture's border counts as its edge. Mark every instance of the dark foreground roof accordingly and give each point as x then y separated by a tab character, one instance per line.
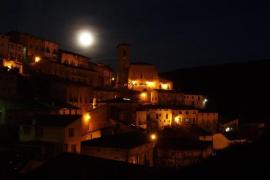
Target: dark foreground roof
72	166
127	140
246	162
53	120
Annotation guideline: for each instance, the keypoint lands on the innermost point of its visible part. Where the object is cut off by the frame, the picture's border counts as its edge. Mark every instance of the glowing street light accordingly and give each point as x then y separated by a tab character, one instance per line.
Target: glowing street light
164	86
228	129
150	84
85	38
153	137
143	96
86	117
178	120
86	121
37	59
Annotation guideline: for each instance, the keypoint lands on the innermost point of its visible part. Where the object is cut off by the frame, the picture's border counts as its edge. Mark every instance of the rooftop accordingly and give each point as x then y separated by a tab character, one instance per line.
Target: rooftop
53	120
160	106
117	100
73	53
22	103
27	34
126	141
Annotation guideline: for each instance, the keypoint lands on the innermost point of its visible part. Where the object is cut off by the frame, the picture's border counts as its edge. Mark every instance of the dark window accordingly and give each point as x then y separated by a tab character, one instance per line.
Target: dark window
124	52
65	147
156	116
26	130
71	132
167	116
73	148
39	132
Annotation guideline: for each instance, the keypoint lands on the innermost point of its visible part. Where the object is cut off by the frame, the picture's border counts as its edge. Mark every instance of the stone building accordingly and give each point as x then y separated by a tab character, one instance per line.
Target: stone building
61	130
133	148
140	148
138	76
161	116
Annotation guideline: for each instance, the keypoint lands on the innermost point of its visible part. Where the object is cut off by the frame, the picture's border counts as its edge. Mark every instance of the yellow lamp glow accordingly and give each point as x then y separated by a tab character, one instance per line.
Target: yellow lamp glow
143	96
133	82
178	120
8	64
37	59
150	84
164	86
86	117
153	137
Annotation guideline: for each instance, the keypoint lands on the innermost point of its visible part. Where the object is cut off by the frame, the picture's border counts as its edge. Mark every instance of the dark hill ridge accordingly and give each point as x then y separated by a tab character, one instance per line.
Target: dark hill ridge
239	89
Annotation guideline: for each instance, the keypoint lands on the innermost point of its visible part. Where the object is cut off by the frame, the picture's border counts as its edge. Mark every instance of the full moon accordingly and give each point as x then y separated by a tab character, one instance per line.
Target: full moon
85	39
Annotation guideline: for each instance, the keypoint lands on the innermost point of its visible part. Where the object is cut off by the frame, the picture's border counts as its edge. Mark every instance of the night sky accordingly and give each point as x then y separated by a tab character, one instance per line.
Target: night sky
172	34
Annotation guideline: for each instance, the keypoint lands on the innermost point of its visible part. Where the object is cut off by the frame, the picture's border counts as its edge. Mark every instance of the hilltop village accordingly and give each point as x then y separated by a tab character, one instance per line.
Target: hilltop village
57	101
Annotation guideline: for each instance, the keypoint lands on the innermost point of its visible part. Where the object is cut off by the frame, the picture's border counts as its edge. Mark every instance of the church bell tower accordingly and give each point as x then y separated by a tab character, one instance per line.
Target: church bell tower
123	61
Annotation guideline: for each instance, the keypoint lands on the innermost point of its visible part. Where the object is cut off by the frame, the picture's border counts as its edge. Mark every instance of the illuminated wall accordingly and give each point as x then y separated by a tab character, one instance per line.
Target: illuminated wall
73	59
10	50
142	77
162	117
13	65
67	72
34	46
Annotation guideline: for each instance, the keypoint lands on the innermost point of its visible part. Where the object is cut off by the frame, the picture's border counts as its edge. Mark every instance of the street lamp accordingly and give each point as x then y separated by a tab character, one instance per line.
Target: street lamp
153	137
